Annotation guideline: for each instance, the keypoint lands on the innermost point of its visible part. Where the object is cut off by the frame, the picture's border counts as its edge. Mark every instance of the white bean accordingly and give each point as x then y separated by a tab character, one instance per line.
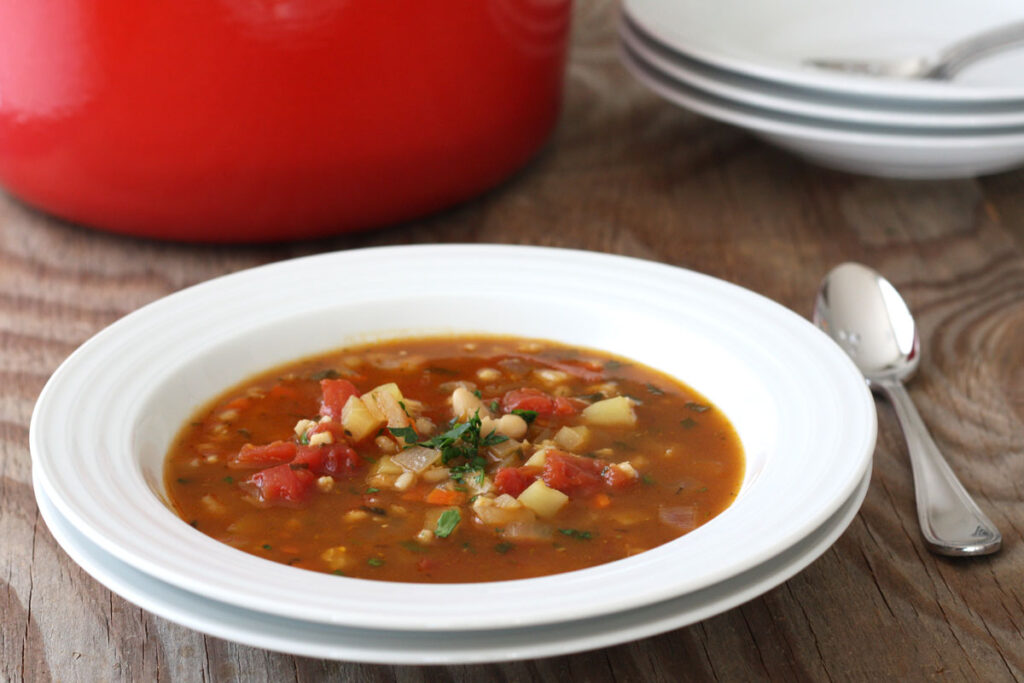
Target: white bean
512	426
465	403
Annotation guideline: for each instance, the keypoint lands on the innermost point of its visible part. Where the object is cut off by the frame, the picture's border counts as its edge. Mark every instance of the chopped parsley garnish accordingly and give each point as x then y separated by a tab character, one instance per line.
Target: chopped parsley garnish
447	522
374	511
375	562
476	392
338	572
463	440
504	547
229	480
688	423
528	415
647	479
495	407
194	523
654	390
576	533
697	407
304	439
373	489
245	433
406	433
476	465
184	480
266	546
329	373
404	409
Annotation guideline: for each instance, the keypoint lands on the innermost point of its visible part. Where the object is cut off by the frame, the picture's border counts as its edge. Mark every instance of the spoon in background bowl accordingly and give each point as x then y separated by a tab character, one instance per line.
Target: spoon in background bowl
943	67
865	314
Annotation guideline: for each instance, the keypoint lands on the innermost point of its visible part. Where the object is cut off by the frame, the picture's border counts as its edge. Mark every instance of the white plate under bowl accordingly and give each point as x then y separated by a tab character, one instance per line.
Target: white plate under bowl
311	639
877	151
825	105
104	421
772	40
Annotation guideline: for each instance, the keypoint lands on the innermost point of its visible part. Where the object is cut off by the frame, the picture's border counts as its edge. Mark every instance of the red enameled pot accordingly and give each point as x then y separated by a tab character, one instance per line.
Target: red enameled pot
254	120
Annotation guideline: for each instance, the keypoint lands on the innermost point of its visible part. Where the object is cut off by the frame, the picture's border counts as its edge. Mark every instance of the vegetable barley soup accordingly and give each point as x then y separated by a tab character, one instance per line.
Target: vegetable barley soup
454	460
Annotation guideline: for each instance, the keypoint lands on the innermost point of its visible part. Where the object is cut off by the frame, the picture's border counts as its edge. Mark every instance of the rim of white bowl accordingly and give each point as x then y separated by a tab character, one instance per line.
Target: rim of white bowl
806	127
824	106
692	29
804	406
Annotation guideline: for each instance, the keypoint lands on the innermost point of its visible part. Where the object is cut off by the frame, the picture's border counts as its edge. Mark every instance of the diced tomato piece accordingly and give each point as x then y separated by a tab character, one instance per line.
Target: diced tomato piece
309	457
340	460
425	564
514	480
567	406
336	459
528	399
281	485
615	478
263	456
336	393
588	371
540	402
572	474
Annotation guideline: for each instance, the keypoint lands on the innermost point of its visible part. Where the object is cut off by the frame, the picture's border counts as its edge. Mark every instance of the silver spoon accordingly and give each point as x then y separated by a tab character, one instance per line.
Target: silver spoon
942	67
865	314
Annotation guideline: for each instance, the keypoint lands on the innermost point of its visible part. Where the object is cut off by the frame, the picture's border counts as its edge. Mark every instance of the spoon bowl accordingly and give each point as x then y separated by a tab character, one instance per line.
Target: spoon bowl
869	319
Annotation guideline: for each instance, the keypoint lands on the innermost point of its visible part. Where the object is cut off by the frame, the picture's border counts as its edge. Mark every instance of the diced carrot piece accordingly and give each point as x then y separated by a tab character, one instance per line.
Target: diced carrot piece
447	497
281	391
240	403
601	500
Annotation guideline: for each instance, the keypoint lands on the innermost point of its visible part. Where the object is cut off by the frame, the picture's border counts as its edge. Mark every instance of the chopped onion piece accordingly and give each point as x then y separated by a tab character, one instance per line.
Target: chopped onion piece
417	458
527	530
683	517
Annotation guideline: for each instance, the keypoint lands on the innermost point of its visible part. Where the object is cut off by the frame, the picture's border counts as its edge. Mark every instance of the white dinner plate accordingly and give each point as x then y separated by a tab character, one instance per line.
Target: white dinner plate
773	40
892	152
824	105
312	639
104	421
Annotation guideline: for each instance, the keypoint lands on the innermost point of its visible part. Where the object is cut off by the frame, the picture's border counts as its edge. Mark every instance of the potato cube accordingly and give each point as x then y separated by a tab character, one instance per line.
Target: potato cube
392	409
389	388
359	422
542	499
572	438
611	412
538	459
370	402
388	466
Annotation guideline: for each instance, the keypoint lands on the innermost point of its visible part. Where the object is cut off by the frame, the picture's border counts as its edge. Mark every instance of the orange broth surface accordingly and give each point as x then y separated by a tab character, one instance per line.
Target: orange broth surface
359	463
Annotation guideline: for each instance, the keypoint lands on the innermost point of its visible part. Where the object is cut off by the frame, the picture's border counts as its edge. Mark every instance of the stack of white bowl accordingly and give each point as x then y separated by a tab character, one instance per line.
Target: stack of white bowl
750	64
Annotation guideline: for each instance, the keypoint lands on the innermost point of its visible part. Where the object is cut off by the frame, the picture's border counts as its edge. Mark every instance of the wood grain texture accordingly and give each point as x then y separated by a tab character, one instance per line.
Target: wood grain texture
625	173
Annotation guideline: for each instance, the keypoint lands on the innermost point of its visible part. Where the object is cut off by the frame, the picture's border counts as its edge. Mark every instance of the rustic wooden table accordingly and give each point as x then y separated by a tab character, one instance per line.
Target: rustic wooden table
629	174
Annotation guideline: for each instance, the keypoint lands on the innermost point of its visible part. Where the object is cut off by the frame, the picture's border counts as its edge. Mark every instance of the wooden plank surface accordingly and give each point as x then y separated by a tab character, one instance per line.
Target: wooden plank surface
625	173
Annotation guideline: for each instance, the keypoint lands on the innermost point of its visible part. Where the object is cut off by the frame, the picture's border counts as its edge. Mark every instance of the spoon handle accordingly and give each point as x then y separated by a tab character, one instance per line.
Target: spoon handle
951	522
